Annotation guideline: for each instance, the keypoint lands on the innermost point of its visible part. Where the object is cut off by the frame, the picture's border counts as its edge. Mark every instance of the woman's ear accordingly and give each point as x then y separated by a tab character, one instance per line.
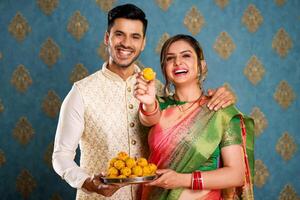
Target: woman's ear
203	67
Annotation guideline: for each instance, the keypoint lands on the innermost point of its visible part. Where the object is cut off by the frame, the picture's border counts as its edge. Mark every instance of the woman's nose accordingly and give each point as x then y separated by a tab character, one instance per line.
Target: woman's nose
177	60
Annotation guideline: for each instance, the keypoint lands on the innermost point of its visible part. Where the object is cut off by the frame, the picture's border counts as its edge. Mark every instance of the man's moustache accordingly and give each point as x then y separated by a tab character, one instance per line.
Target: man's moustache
123	47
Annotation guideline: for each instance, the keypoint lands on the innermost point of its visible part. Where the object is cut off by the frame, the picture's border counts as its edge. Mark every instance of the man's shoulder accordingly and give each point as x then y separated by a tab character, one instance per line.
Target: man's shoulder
90	79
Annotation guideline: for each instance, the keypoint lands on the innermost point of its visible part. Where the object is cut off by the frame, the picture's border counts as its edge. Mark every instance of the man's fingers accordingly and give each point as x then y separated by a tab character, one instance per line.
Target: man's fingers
211	92
102	174
219	103
102	186
215	100
228	103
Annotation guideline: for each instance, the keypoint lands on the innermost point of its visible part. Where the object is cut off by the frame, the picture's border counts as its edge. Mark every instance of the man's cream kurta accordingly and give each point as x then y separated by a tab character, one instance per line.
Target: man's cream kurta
101	114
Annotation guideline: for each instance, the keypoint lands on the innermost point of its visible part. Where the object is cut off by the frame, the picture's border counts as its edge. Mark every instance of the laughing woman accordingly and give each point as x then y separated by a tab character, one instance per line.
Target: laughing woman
201	154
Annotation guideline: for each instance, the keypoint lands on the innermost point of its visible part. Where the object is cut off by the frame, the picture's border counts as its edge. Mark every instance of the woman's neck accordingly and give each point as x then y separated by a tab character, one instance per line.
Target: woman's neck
188	94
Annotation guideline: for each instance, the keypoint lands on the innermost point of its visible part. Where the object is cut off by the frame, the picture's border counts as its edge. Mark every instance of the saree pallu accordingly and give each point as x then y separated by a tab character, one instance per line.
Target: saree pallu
186	146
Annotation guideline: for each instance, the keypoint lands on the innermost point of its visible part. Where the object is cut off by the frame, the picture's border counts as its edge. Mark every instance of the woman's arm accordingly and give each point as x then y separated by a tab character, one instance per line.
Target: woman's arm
230	175
149	114
149	111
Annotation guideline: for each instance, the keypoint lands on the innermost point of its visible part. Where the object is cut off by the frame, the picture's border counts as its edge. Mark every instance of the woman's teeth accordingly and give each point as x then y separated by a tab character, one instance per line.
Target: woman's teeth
181	71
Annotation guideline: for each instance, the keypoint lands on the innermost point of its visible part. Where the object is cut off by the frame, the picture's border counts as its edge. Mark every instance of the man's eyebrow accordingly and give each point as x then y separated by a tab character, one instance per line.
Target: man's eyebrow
118	31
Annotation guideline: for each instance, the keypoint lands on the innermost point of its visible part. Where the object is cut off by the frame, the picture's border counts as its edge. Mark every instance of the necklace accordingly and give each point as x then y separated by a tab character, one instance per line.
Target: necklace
181	108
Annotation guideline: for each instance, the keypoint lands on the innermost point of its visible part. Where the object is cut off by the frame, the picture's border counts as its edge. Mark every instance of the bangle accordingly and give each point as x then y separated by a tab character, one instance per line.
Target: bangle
149	113
197	181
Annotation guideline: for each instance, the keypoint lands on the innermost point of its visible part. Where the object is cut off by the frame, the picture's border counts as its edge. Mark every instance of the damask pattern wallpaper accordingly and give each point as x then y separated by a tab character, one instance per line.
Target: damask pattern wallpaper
251	46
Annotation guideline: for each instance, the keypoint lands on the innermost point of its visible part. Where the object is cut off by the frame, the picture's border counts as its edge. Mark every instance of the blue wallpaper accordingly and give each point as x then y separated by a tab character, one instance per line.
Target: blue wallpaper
31	99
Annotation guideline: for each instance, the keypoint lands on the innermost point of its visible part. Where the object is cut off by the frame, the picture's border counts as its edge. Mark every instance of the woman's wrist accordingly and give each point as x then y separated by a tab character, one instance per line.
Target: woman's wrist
197	181
149	109
184	180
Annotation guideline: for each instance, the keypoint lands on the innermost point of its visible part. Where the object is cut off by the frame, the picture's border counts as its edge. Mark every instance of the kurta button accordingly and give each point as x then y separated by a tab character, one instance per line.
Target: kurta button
133	142
129	89
131	124
130	106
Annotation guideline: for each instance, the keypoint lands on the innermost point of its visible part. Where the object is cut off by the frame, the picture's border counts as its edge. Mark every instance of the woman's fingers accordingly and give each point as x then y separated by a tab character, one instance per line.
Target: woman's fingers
162	171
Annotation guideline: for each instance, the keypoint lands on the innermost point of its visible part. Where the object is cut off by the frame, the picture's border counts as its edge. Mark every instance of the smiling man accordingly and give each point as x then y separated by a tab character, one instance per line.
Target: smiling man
100	113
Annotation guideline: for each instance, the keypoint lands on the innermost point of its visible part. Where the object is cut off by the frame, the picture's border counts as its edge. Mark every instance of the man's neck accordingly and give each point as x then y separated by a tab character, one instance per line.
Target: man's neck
123	72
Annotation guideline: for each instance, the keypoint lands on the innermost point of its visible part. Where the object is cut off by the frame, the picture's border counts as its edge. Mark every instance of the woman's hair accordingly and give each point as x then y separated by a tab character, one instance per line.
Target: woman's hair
198	50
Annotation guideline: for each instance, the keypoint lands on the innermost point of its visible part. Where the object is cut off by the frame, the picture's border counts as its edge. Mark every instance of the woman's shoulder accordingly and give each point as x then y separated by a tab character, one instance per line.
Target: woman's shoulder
228	113
232	112
229	110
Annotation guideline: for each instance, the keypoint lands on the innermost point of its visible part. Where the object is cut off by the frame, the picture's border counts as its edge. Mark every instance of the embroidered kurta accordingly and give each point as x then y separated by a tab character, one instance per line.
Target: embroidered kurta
100	114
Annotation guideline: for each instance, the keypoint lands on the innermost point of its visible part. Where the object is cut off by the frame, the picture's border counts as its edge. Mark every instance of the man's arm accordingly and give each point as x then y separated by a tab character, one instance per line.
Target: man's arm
69	130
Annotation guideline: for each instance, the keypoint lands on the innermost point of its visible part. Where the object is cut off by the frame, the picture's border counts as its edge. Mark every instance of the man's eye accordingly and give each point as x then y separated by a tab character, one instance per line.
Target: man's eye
136	37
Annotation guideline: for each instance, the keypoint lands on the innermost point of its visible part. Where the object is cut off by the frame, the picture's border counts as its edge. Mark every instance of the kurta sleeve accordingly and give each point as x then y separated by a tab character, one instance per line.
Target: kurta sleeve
69	131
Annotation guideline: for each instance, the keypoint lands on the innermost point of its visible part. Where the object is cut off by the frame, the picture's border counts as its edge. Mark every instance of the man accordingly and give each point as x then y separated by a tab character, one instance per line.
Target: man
100	113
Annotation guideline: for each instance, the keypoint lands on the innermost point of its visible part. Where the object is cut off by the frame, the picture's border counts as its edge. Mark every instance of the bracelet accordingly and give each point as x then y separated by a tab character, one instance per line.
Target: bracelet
197	181
149	113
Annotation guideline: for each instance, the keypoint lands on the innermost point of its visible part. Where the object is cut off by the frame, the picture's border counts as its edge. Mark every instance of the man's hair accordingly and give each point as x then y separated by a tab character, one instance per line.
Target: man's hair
128	11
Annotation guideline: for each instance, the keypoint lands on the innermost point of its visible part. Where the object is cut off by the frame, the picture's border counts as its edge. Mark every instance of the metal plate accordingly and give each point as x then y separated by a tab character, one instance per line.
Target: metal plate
143	179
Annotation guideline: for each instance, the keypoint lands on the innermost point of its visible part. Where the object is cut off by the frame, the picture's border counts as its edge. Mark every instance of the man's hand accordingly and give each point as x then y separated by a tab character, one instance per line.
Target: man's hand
221	98
95	185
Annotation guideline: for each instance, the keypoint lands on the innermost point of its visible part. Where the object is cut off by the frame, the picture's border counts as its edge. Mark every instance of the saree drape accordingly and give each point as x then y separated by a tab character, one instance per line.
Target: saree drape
189	144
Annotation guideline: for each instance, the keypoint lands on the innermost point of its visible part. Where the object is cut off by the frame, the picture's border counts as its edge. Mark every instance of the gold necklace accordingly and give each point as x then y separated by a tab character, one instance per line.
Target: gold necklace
181	109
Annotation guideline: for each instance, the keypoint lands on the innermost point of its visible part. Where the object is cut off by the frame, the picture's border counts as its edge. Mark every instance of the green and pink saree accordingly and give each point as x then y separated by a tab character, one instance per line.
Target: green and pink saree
195	142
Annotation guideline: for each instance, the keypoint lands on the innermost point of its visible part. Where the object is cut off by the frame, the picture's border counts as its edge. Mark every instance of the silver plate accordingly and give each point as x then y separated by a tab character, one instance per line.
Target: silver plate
143	179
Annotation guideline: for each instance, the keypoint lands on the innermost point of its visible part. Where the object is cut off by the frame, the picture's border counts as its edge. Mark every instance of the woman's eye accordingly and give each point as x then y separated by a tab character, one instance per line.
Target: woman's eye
186	55
169	58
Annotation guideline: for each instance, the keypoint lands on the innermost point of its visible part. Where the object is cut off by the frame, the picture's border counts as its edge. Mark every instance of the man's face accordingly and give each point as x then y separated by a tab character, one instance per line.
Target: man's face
125	42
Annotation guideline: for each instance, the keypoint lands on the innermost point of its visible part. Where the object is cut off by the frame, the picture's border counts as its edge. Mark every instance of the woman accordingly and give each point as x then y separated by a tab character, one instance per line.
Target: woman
200	153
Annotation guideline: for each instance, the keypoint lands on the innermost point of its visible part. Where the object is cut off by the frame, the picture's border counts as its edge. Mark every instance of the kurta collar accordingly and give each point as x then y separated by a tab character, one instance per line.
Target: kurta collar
116	77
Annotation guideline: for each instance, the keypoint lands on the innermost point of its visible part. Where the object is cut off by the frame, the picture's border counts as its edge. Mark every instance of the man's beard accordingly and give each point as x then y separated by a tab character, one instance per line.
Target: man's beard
114	61
124	66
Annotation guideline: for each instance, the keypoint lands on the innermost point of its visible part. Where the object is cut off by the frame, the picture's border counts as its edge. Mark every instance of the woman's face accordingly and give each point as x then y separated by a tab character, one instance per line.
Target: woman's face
181	64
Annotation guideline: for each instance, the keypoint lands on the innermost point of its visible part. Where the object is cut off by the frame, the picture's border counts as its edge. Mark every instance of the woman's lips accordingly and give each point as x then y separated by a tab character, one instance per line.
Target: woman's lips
180	71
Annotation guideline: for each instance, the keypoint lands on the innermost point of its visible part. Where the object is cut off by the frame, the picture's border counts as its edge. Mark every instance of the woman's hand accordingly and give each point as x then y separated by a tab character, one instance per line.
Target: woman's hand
144	90
94	184
169	179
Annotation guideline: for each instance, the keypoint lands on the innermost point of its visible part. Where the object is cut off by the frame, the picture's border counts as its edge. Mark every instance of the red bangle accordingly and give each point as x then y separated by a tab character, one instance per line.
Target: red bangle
149	113
197	181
